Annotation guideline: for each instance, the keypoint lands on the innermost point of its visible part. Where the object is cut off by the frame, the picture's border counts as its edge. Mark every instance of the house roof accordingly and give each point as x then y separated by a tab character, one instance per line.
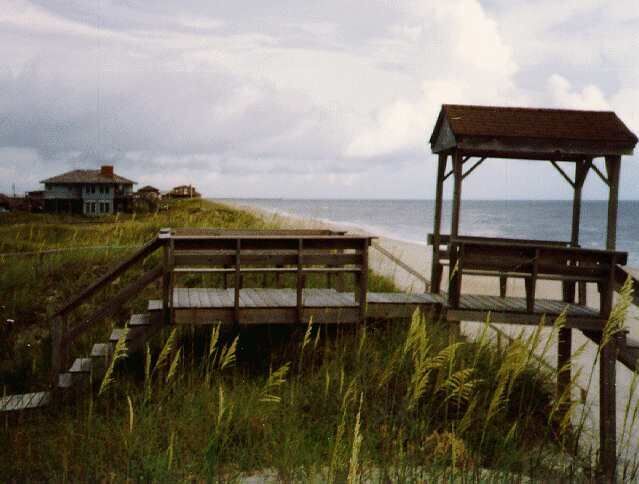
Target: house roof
595	129
148	188
88	176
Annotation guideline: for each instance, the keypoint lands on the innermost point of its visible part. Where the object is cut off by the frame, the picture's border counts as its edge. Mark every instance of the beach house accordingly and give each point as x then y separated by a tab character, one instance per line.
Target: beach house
90	192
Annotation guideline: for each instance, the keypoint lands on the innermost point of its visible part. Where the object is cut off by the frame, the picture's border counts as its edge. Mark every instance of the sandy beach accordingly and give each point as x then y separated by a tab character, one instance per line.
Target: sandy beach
418	257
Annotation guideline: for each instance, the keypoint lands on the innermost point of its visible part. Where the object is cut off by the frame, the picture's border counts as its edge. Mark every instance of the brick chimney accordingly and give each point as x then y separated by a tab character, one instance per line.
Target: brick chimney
106	170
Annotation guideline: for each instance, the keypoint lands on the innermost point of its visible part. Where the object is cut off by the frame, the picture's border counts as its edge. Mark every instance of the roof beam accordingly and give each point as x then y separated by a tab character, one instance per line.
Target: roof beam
472	168
464	160
598	172
563	173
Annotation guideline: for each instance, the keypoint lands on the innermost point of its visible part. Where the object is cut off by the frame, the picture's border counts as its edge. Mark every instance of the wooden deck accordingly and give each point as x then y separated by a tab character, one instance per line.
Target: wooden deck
513	310
328	306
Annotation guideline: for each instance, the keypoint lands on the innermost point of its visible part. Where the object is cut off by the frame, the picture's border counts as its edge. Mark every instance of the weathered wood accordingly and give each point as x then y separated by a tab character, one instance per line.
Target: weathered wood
166	281
265	258
613	167
607	409
436	268
236	287
446	238
474	167
110	276
457	188
256	243
363	284
300	281
403	265
113	305
562	173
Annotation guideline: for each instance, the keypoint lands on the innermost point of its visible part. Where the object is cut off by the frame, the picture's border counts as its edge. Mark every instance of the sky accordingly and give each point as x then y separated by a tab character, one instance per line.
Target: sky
294	99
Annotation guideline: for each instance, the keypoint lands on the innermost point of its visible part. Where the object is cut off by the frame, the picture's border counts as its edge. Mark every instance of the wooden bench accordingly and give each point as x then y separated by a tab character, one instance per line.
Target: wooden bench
532	262
441	258
299	254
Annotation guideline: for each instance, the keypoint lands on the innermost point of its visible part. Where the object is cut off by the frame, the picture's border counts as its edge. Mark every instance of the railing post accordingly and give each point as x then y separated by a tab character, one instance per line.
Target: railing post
238	283
300	281
57	352
363	283
607	382
167	289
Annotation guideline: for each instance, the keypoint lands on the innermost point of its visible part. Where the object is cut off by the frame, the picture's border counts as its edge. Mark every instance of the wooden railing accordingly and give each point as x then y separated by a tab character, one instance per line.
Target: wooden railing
441	258
244	250
270	253
63	334
533	262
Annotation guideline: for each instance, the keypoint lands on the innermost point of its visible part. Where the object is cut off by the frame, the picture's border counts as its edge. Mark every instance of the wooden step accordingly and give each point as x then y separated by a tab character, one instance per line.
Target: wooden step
81	365
26	401
155	305
102	350
140	320
65	380
117	333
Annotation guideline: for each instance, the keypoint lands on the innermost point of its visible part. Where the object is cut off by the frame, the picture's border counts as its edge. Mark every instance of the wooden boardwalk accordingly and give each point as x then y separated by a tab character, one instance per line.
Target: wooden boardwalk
328	306
264	305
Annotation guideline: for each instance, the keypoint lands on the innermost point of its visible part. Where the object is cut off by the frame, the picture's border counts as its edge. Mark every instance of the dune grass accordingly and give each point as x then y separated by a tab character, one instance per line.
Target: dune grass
391	402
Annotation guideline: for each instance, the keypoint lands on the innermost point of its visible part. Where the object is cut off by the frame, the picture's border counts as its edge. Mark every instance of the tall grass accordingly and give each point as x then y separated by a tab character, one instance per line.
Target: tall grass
386	403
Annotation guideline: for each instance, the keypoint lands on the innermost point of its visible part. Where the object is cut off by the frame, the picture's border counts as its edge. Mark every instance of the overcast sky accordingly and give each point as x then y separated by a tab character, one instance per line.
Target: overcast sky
332	98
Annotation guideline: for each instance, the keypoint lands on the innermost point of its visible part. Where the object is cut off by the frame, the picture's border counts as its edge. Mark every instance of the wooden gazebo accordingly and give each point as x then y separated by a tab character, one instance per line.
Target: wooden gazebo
469	135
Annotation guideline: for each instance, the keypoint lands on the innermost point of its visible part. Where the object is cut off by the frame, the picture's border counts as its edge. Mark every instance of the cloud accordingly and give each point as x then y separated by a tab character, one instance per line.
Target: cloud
563	94
254	97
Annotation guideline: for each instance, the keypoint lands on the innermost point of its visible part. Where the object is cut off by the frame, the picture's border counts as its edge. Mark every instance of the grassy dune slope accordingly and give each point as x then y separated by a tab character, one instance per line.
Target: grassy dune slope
397	401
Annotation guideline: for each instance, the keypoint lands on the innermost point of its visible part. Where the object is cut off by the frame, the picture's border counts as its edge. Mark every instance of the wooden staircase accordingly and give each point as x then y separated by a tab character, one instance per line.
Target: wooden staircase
84	371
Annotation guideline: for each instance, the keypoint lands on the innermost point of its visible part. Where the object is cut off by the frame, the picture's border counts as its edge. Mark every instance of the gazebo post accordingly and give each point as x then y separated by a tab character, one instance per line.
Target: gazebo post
454	326
564	345
457	187
613	167
608	352
436	267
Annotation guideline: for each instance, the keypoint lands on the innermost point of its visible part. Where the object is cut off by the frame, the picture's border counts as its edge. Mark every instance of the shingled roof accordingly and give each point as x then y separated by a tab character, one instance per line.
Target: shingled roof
88	176
590	131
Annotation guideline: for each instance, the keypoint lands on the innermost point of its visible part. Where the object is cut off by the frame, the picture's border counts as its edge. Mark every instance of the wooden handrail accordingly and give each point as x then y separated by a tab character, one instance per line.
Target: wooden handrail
402	264
110	276
444	239
114	304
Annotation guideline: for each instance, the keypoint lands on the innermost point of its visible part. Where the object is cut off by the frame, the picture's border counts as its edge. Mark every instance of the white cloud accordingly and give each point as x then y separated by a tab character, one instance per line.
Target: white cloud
562	94
269	99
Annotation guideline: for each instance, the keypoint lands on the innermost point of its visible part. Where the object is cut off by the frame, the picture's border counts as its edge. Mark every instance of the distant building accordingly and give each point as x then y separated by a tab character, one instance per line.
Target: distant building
5	203
149	192
183	191
90	192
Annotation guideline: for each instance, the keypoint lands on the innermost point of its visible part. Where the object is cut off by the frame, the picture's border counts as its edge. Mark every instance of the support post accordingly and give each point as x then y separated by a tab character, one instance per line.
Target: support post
300	281
454	327
58	326
564	344
237	285
613	167
457	187
165	236
436	267
363	283
607	409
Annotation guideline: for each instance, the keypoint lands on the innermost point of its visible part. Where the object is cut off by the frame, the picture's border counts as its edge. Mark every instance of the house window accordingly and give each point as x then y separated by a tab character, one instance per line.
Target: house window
92	207
106	207
87	208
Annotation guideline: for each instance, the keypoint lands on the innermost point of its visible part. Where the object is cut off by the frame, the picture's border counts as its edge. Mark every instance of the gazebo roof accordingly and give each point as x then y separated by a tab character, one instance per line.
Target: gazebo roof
515	132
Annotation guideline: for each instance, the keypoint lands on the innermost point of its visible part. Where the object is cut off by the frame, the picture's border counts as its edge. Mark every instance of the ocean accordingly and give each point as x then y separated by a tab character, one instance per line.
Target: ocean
412	220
